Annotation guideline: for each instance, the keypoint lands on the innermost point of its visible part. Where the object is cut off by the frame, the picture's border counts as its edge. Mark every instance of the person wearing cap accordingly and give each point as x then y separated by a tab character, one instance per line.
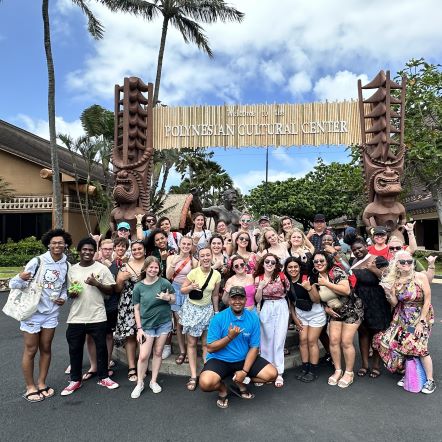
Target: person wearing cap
319	230
233	350
263	221
379	248
123	230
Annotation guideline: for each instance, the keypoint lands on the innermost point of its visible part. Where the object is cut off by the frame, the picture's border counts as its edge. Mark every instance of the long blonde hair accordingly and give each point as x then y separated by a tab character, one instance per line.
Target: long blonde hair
393	273
263	243
304	239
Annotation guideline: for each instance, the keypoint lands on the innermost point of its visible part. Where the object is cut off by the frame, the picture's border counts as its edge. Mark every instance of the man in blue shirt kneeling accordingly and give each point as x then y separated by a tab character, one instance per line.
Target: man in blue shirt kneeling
233	350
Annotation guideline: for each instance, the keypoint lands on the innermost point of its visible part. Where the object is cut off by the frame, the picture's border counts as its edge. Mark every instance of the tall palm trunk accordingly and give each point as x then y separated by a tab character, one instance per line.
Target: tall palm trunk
160	61
56	187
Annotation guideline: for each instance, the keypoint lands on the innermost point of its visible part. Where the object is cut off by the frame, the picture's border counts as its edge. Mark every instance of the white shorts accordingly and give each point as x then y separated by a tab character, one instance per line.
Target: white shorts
316	317
37	321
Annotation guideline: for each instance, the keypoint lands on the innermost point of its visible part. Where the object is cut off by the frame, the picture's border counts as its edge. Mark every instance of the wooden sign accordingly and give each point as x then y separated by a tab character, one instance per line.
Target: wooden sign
257	125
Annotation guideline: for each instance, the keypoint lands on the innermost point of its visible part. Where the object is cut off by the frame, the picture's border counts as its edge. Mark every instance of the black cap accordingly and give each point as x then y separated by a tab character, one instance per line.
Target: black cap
379	230
237	291
263	218
319	217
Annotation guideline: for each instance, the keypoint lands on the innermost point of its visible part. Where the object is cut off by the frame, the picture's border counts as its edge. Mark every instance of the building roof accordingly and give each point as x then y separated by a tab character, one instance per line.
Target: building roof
24	144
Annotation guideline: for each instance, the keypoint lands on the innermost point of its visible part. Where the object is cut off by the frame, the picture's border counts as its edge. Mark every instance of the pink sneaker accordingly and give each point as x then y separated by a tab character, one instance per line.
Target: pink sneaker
73	386
108	383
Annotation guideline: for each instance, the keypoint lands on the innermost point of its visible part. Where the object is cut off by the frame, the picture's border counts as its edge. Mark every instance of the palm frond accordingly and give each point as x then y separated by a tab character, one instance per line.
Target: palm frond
95	28
145	9
210	11
192	32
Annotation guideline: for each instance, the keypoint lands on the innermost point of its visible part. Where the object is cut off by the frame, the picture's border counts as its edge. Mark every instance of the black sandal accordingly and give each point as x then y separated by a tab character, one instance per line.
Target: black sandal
243	394
27	396
131	372
222	402
375	373
362	372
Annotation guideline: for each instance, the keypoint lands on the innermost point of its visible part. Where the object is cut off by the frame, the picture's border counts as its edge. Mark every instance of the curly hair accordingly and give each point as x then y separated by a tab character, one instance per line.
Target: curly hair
351	238
46	237
216	236
329	261
298	261
281	230
260	266
87	240
149	244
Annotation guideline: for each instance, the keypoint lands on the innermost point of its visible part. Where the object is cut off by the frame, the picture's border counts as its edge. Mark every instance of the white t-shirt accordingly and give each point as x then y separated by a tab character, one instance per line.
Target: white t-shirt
88	306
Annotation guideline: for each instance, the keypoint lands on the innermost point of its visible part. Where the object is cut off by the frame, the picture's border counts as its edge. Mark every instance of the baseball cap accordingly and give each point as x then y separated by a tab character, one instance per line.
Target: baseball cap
237	291
319	217
123	225
263	218
379	230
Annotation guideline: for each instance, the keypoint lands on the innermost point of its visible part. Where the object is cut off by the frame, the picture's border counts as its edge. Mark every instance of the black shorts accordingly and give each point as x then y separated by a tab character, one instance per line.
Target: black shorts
111	322
224	369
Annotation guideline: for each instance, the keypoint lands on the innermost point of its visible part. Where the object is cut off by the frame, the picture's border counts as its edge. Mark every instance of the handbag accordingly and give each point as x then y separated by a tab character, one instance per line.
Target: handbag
415	376
330	298
197	294
22	303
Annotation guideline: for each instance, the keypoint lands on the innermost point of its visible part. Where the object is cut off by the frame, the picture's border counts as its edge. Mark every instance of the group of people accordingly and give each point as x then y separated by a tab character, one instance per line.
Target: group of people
238	292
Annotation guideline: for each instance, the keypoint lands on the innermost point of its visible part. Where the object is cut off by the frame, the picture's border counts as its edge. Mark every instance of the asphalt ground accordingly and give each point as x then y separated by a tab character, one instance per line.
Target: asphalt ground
369	410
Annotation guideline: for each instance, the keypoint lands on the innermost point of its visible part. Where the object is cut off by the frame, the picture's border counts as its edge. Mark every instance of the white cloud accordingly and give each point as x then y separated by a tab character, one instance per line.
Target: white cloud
41	127
341	86
303	43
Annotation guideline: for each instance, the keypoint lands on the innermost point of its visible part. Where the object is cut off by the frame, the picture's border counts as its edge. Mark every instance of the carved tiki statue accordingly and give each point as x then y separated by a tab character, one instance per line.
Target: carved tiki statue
383	151
133	150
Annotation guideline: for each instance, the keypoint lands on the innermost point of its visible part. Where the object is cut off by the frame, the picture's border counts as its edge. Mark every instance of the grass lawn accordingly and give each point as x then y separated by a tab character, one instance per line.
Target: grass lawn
9	272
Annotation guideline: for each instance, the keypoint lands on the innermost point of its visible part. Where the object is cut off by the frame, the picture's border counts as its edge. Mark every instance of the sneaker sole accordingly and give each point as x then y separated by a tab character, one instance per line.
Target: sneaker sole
68	393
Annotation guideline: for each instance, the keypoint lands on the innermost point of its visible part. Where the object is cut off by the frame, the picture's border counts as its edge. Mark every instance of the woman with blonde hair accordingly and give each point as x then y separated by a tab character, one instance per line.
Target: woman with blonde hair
409	293
269	243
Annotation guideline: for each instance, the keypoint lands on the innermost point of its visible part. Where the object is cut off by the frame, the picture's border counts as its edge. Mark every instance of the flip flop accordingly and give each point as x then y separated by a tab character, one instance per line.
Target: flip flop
89	375
47	390
279	382
132	374
27	396
362	372
222	402
179	360
191	384
243	394
375	373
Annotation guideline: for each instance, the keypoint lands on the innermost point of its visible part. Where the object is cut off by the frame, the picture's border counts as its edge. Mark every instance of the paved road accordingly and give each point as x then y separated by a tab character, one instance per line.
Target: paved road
370	410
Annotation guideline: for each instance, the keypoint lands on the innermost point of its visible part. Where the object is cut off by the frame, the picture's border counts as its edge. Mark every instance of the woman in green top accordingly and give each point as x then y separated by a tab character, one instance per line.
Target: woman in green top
151	297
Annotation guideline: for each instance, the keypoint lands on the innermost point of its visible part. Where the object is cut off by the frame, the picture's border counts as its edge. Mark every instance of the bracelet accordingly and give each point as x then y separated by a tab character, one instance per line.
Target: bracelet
229	338
138	225
139	328
244	371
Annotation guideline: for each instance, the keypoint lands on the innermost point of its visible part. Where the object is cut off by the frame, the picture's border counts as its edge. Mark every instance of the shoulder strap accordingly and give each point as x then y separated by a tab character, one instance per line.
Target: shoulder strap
181	267
207	281
175	237
38	266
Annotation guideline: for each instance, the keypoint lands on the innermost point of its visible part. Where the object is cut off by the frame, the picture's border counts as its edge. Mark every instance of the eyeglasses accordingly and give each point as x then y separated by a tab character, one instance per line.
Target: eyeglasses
244	220
150	220
239	266
380	234
318	261
243	238
269	262
395	248
402	262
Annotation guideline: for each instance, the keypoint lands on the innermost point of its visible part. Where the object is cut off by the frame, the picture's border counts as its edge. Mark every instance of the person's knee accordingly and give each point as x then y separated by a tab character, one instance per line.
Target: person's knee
312	343
207	382
157	352
191	343
347	344
30	350
268	373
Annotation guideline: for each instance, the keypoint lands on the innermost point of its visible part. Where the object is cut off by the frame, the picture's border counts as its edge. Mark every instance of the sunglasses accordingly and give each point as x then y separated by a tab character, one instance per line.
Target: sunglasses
380	234
122	229
270	262
318	261
402	262
395	248
150	220
244	220
243	238
239	266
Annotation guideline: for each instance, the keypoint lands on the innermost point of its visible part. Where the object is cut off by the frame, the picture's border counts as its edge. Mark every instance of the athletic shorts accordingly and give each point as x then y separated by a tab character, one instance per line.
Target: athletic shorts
37	321
111	321
224	369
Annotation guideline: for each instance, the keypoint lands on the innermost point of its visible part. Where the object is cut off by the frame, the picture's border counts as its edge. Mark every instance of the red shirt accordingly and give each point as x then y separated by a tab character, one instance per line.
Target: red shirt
383	252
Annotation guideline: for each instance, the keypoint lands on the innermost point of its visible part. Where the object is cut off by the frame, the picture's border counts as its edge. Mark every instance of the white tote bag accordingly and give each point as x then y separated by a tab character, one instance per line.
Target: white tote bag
22	303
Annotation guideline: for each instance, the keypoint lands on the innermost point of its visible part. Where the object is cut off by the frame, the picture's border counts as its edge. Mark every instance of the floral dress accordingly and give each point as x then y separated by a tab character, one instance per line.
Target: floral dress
399	341
126	325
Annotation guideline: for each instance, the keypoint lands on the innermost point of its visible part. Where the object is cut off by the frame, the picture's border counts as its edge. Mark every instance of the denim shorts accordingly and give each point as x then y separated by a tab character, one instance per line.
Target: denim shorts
37	321
162	329
179	298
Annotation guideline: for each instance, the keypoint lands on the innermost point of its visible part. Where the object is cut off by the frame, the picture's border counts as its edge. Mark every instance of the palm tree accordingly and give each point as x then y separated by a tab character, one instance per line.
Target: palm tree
184	15
96	30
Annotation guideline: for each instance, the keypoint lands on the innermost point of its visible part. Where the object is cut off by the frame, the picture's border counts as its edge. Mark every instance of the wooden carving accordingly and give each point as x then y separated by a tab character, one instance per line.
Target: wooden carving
133	150
383	151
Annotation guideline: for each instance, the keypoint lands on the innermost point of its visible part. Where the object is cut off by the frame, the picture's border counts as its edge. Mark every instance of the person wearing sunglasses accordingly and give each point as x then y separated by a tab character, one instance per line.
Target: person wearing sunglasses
272	286
240	278
269	243
245	227
308	315
331	284
396	244
409	293
368	270
242	246
145	223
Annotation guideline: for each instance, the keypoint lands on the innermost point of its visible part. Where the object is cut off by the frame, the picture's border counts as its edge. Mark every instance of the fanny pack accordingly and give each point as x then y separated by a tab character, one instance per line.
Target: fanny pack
198	293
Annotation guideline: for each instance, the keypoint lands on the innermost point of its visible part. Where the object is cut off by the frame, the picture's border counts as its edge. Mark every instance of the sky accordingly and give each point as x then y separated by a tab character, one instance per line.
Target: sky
289	51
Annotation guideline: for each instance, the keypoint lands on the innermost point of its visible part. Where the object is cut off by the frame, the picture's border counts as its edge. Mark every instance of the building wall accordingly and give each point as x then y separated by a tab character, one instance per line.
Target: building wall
23	176
74	224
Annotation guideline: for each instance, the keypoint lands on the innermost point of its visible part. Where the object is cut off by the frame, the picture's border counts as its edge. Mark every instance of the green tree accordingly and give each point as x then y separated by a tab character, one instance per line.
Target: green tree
423	127
183	15
332	189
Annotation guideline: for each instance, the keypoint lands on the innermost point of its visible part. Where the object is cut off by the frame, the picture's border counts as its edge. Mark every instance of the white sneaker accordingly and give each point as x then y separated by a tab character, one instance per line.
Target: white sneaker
137	391
167	351
429	387
108	383
401	382
155	387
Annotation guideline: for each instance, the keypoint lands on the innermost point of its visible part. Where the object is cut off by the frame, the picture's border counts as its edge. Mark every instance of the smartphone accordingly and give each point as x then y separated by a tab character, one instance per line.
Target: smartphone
143	339
304	278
